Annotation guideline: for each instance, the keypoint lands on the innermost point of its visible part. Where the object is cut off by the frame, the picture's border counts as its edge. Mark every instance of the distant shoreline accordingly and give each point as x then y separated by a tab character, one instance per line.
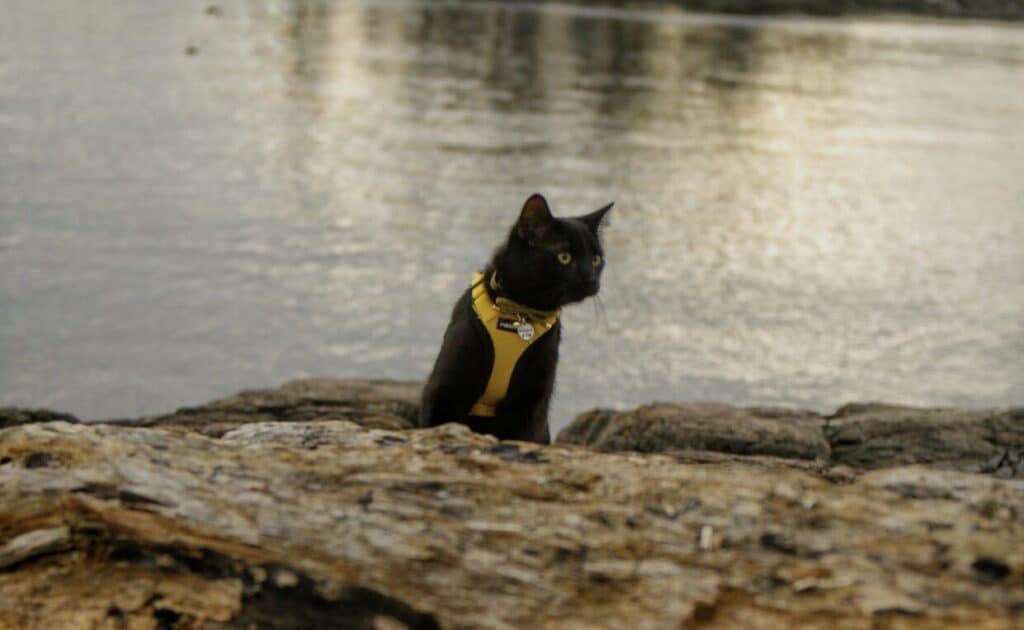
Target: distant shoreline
1007	10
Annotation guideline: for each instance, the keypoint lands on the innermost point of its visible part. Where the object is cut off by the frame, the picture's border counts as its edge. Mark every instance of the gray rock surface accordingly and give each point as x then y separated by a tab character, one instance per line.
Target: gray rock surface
876	436
372	403
862	436
659	428
13	416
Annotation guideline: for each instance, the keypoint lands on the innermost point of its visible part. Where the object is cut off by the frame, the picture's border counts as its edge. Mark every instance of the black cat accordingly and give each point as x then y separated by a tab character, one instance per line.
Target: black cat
496	368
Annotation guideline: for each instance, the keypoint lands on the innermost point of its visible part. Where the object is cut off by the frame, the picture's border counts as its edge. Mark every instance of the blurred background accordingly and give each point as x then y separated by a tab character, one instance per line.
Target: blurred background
197	198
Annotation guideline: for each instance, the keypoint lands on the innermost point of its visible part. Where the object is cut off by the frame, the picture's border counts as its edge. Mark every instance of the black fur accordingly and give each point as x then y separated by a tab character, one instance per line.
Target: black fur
529	272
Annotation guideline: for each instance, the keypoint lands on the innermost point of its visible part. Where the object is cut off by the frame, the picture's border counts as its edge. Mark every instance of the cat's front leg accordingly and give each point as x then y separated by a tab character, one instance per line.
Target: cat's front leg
538	429
524	420
433	407
460	370
525	411
446	402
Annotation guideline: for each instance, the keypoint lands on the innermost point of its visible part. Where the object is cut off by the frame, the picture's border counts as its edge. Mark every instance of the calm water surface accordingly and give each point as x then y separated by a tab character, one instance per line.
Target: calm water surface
808	211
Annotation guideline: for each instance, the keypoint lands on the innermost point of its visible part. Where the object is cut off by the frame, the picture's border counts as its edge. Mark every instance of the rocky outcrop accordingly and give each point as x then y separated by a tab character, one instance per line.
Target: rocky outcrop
376	404
331	525
313	506
696	427
876	436
857	437
12	416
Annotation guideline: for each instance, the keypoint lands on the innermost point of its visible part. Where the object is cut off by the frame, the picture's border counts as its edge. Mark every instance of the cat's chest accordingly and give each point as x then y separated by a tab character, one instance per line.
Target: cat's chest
518	340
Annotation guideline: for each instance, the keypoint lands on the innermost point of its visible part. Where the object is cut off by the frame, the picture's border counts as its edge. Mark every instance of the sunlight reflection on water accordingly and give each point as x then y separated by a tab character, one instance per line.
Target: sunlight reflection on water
807	211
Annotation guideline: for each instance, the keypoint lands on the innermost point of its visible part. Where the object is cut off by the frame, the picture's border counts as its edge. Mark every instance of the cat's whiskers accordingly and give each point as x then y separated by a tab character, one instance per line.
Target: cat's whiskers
599	312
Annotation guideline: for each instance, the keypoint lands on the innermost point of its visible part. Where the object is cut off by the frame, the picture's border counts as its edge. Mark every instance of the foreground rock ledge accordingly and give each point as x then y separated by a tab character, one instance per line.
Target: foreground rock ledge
328	524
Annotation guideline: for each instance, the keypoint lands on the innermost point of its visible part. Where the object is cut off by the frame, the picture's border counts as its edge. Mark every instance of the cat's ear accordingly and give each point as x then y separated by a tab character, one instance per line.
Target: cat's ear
595	220
534	219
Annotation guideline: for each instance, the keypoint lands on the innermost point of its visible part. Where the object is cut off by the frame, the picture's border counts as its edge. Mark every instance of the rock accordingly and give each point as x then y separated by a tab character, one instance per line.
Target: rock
858	437
372	403
702	427
33	543
12	416
328	524
868	436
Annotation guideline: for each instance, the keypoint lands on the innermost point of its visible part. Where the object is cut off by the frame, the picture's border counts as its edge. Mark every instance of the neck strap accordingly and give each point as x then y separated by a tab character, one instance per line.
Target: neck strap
511	307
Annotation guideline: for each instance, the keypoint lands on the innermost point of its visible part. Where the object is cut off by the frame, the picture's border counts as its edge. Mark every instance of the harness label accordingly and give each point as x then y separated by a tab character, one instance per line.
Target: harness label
509	325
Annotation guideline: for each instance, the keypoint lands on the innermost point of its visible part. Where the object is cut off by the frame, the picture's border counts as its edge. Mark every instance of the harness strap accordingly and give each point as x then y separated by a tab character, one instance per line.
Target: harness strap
502	322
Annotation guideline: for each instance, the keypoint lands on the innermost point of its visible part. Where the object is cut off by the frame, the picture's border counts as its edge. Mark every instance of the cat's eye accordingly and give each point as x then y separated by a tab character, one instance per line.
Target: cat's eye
565	258
597	261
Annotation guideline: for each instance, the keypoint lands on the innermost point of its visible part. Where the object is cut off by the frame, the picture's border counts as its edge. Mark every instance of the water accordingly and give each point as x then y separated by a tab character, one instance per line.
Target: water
808	211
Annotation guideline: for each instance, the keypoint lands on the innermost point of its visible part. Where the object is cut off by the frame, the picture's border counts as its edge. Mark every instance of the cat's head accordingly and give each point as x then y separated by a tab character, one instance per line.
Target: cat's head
549	262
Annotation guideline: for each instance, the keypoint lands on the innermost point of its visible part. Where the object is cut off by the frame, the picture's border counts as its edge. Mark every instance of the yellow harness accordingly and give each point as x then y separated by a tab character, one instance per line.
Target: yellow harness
512	329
